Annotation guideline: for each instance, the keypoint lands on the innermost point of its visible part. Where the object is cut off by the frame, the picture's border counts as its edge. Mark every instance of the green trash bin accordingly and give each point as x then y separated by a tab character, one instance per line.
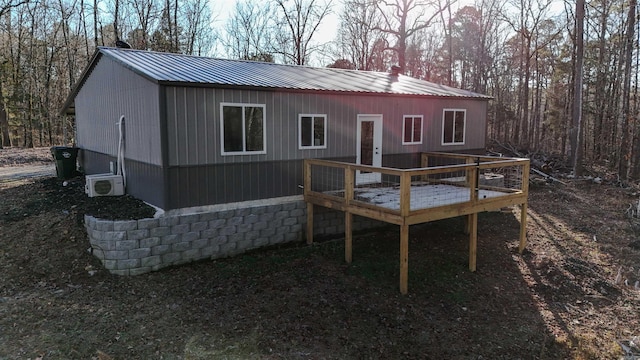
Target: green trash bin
65	158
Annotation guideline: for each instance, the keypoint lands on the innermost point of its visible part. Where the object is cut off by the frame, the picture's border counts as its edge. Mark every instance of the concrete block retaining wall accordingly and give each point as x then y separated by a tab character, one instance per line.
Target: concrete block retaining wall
133	247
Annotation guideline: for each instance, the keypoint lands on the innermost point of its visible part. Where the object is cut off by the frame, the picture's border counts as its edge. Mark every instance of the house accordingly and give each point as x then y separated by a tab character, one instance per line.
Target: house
220	146
203	131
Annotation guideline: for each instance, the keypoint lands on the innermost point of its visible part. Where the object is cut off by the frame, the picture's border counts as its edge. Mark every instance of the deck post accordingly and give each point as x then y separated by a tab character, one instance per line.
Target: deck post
523	227
309	223
473	240
424	160
307	189
349	183
469	175
467	220
348	237
472	183
523	208
404	258
405	209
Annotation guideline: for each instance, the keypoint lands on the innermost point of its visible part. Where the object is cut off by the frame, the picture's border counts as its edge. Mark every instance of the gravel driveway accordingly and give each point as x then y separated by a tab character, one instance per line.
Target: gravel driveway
10	173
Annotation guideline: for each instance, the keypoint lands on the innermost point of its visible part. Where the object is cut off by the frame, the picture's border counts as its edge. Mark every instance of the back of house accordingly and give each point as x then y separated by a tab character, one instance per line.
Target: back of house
203	131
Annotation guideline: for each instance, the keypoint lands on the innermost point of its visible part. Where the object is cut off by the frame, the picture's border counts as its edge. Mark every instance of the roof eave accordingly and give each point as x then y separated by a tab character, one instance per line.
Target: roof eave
315	91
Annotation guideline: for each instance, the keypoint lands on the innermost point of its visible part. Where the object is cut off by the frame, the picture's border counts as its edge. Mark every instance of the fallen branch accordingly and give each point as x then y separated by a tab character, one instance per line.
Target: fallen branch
547	176
633	210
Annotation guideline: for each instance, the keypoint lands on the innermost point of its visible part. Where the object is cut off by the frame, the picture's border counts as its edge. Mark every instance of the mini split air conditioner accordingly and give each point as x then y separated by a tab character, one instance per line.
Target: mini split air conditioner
104	185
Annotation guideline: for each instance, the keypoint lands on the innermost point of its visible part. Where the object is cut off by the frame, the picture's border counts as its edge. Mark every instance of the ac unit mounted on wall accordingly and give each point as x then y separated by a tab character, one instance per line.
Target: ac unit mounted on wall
104	185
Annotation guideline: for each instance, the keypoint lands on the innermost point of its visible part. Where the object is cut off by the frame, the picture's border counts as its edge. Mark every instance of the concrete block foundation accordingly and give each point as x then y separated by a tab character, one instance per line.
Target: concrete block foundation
136	247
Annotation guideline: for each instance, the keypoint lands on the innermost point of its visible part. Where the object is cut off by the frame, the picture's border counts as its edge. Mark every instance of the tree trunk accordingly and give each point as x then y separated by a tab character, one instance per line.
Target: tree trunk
4	122
625	151
601	88
95	23
115	19
576	131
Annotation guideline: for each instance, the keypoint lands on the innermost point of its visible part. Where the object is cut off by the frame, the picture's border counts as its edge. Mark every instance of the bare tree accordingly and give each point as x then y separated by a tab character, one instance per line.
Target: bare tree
165	37
402	19
297	24
527	24
357	35
248	31
146	12
198	32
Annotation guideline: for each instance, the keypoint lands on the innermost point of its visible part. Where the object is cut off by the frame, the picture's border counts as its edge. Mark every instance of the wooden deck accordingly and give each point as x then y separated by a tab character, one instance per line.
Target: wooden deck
447	185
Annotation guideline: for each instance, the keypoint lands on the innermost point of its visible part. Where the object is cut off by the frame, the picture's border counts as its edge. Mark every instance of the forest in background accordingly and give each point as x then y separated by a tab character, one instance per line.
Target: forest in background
563	75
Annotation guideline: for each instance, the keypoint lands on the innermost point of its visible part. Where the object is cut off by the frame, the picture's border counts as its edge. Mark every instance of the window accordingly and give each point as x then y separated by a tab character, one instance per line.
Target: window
412	133
242	129
312	132
453	124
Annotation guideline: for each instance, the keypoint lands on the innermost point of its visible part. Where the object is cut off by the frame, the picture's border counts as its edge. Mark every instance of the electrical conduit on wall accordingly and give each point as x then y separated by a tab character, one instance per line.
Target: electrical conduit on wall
120	170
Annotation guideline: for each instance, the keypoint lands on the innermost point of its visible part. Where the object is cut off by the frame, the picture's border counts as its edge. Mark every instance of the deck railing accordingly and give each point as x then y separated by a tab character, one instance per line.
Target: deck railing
447	185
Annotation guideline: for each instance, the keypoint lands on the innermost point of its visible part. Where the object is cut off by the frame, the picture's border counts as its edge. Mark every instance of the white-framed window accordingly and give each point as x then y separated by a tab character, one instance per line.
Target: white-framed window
312	131
453	126
412	130
243	129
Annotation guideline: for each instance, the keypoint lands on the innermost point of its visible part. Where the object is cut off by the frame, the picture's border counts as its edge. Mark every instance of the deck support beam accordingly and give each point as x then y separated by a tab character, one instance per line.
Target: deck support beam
466	219
473	240
404	259
523	207
348	237
523	227
309	223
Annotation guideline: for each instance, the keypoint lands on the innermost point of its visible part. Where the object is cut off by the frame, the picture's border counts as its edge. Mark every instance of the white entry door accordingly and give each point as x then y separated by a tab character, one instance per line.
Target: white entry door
369	147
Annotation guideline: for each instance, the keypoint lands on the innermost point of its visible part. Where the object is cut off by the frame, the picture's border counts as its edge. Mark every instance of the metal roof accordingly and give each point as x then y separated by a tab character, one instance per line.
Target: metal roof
178	68
169	68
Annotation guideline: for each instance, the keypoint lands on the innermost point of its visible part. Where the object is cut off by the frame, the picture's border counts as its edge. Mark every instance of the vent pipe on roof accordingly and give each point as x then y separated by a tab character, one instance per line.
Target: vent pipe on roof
122	44
395	70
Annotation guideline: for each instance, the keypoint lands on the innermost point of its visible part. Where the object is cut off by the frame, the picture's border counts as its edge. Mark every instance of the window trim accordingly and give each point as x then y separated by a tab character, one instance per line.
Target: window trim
464	127
404	119
264	129
312	116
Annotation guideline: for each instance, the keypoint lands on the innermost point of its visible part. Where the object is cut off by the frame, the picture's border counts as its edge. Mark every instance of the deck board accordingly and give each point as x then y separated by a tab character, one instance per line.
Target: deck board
422	196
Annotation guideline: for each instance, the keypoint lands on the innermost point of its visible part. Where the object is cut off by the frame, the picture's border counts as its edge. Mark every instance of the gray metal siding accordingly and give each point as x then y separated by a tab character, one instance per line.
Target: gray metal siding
475	129
109	92
402	161
224	183
193	123
144	181
235	182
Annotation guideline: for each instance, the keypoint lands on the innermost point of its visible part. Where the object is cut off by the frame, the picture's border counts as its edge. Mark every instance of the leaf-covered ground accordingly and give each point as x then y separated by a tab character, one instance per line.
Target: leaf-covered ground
558	300
14	156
